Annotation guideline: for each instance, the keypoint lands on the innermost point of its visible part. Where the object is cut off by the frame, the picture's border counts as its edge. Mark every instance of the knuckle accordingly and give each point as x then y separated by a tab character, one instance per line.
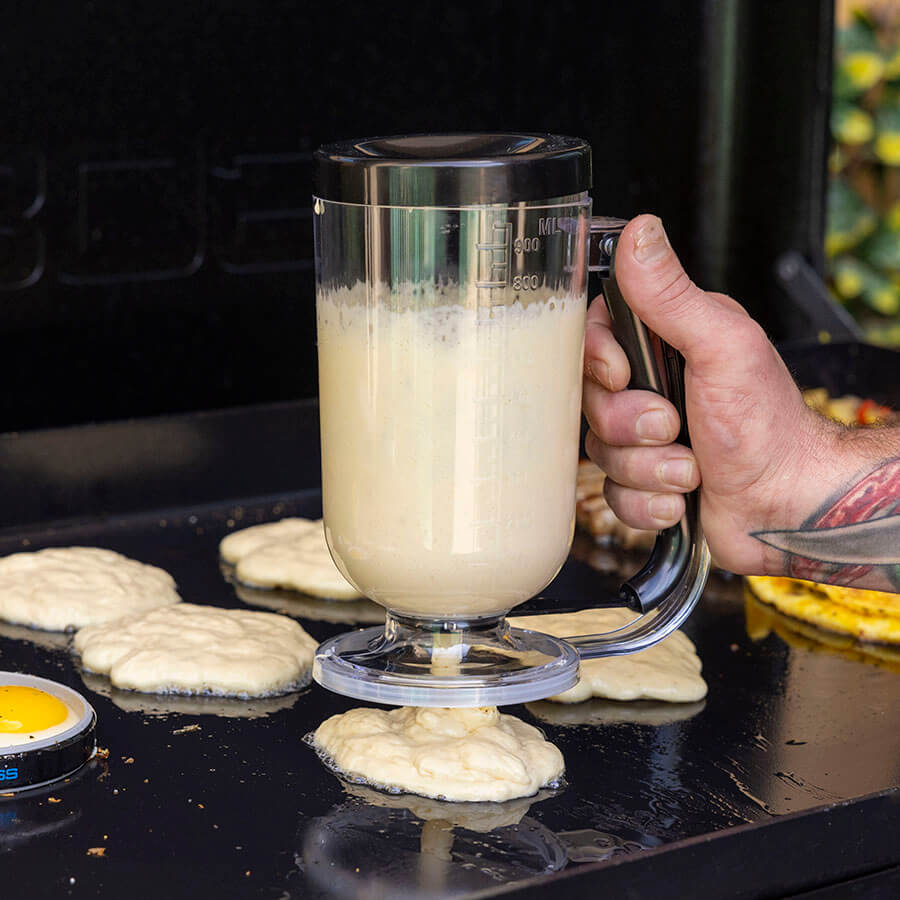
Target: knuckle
677	292
728	303
677	298
753	336
593	447
632	469
610	490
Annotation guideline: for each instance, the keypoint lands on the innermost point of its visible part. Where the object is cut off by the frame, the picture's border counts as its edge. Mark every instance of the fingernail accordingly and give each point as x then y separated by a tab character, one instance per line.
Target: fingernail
662	507
599	371
650	241
678	473
653	425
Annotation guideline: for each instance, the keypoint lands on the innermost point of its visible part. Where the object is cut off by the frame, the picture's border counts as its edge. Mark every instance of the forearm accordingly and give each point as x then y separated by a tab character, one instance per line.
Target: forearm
844	521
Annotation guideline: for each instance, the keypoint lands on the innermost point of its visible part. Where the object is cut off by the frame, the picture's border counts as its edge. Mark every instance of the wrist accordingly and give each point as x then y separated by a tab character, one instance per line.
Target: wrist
822	467
807	474
844	476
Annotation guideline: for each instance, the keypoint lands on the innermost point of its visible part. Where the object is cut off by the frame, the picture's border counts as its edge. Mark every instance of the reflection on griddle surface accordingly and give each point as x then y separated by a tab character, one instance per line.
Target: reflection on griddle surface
50	640
763	619
599	711
302	606
404	846
180	704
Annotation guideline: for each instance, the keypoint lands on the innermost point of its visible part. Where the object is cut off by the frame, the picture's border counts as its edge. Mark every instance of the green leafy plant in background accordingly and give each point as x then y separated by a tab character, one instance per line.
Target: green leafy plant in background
862	241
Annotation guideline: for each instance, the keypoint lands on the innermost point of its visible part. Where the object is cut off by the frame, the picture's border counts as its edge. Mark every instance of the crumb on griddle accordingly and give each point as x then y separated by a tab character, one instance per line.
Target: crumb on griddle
186	729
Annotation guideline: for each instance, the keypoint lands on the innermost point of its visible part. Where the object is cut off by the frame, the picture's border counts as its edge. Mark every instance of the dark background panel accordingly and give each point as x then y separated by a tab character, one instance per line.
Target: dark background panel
155	232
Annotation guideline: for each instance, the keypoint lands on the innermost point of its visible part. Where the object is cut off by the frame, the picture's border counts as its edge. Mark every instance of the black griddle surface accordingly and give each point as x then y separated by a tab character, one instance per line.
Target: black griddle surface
193	804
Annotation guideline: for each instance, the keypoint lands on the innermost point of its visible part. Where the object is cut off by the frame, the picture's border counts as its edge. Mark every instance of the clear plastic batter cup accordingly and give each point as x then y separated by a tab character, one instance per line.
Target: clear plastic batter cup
451	294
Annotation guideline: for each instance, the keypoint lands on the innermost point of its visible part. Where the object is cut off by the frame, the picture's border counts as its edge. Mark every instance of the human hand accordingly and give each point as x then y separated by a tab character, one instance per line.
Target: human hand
762	459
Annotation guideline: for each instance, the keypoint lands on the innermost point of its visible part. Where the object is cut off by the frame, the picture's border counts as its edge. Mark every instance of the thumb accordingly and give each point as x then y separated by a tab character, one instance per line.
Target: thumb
659	291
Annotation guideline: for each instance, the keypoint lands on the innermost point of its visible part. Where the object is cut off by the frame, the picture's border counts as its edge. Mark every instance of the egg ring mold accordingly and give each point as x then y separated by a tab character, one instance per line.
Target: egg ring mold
48	759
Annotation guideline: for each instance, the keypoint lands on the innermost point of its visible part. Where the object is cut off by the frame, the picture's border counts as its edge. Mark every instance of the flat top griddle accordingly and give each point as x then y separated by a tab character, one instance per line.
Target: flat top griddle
786	777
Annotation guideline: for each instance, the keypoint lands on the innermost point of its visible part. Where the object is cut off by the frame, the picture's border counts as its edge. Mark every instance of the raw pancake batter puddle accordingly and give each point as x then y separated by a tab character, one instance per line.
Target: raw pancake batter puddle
190	649
239	543
669	670
450	754
70	587
292	554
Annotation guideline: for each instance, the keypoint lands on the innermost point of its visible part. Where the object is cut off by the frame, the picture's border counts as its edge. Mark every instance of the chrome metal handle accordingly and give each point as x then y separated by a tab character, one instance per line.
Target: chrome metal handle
668	586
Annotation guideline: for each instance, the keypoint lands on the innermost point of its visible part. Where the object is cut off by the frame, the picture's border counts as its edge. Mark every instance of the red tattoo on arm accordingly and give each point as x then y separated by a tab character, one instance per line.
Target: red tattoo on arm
877	495
843	542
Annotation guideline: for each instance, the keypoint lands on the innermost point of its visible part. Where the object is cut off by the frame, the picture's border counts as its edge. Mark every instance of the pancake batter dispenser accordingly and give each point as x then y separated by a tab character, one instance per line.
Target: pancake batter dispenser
452	277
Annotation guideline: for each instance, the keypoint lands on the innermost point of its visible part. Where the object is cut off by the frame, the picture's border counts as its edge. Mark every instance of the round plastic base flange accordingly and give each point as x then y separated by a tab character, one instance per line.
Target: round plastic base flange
455	670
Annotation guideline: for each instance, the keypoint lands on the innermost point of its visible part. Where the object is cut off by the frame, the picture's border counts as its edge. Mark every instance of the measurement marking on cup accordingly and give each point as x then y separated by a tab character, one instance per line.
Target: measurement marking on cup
489	420
527	245
548	225
494	255
526	282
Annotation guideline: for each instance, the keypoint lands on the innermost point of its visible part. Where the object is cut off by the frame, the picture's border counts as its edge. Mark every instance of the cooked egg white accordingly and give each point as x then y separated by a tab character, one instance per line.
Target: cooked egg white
28	715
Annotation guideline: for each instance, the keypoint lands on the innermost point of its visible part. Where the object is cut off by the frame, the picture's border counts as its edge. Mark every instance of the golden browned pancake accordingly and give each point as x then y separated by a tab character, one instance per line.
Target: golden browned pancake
877	603
762	619
875	617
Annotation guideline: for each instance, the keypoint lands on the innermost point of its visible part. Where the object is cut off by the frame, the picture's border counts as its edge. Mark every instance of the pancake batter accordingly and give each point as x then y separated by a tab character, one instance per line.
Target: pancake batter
669	670
69	587
292	554
449	754
190	649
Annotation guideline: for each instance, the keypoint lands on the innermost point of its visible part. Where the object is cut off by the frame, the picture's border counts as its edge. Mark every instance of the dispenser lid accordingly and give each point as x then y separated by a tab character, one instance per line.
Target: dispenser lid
461	169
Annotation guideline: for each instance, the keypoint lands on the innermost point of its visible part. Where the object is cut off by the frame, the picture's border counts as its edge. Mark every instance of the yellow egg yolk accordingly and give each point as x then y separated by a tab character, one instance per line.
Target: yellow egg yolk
27	709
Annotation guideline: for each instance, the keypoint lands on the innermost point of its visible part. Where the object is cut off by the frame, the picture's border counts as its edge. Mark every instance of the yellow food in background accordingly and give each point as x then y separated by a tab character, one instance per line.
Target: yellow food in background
810	602
848	410
763	620
878	603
